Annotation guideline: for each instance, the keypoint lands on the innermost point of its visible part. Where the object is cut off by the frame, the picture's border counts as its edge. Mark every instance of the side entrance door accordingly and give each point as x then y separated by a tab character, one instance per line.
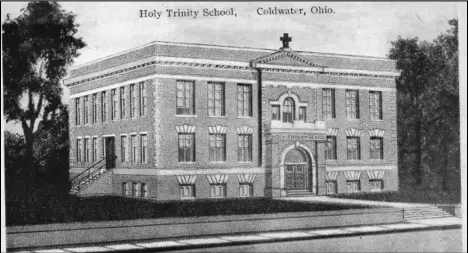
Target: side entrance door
296	176
110	152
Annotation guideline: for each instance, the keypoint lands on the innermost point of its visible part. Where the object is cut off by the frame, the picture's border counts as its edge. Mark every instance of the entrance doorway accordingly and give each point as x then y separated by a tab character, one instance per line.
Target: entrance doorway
110	152
296	170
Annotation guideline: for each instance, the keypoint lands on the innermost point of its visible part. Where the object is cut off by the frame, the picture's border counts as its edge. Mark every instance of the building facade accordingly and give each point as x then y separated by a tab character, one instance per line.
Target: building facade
188	121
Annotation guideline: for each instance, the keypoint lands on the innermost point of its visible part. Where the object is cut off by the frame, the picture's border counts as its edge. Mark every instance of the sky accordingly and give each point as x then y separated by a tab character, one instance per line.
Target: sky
351	28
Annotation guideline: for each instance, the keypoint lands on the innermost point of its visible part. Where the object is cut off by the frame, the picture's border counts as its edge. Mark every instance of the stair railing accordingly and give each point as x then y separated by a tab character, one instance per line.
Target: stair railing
88	173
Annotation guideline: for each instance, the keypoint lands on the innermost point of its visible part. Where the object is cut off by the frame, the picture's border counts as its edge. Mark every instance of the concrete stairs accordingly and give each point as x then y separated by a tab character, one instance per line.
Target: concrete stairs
86	181
424	212
299	193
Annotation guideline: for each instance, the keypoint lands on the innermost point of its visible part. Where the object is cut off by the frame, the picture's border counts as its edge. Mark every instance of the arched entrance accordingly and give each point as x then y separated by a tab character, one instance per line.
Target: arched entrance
297	174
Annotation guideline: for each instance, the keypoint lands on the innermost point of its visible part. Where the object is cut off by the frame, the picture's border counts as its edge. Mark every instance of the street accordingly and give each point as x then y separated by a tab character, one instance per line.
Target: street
414	241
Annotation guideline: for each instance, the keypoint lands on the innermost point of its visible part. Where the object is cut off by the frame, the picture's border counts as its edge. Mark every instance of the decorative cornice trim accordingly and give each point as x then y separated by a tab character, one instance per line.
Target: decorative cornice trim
230	65
245	130
217	179
185	129
376	132
218	129
375	174
353	132
247	178
332	131
186	179
278	55
321	85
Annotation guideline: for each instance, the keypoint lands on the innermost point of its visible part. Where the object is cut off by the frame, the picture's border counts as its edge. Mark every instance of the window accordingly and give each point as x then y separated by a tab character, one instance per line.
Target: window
135	189
244	148
95	150
245	190
103	107
124	188
86	150
114	104
123	109
86	109
331	187
375	105
218	190
186	147
144	148
376	184
77	111
185	98
288	110
353	186
302	113
132	101
352	104
244	100
144	190
217	147
275	112
187	191
353	147
133	148
328	101
376	148
330	148
78	150
142	98
123	148
95	106
216	99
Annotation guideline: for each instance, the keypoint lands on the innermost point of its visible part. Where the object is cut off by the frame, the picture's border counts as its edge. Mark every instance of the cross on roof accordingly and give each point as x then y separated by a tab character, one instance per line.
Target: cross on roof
286	39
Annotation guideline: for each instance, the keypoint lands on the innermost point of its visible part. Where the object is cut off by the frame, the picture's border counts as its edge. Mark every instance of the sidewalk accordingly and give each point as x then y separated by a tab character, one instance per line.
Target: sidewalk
326	199
266	237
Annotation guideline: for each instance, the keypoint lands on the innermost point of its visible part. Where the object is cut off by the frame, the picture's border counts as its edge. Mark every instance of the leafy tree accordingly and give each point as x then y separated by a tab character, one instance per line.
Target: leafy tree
428	106
37	47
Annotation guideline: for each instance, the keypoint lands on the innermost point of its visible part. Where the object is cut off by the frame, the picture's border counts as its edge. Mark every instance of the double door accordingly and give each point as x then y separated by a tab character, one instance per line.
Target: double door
296	176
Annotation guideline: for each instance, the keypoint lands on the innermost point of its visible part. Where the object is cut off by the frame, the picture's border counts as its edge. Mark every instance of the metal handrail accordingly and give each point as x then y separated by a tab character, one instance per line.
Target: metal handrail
83	178
90	167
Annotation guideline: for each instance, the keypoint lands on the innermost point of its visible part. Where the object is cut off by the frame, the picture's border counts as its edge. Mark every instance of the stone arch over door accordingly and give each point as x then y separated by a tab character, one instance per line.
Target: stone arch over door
312	170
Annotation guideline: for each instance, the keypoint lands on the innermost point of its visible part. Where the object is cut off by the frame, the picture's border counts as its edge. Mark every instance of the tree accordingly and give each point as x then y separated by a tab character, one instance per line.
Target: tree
38	45
428	105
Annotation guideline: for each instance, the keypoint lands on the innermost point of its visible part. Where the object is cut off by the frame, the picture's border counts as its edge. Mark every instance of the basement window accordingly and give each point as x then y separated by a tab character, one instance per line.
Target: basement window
187	191
218	190
245	190
376	185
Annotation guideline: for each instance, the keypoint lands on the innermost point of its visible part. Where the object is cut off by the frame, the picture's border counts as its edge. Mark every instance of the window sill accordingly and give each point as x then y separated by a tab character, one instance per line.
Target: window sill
376	120
187	198
187	163
224	116
244	117
217	162
186	115
242	162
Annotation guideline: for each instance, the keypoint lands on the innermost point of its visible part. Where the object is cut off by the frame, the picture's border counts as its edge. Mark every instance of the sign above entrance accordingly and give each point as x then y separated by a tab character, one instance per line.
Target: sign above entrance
298	137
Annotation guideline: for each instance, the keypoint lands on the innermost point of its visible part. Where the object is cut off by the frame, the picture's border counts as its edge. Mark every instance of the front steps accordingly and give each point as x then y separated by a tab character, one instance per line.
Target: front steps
299	193
424	212
80	186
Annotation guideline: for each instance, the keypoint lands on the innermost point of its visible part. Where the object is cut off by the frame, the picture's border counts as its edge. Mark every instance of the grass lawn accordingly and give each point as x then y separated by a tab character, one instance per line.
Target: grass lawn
76	209
428	196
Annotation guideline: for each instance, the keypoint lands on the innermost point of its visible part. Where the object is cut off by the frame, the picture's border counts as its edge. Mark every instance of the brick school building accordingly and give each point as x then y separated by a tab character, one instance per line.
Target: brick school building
186	121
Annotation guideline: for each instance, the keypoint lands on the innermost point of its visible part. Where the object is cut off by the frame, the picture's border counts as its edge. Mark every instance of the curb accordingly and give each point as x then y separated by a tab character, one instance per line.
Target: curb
179	245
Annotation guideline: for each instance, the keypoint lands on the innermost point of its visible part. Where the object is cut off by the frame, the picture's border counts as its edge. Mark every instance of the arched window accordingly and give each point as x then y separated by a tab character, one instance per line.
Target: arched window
288	110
